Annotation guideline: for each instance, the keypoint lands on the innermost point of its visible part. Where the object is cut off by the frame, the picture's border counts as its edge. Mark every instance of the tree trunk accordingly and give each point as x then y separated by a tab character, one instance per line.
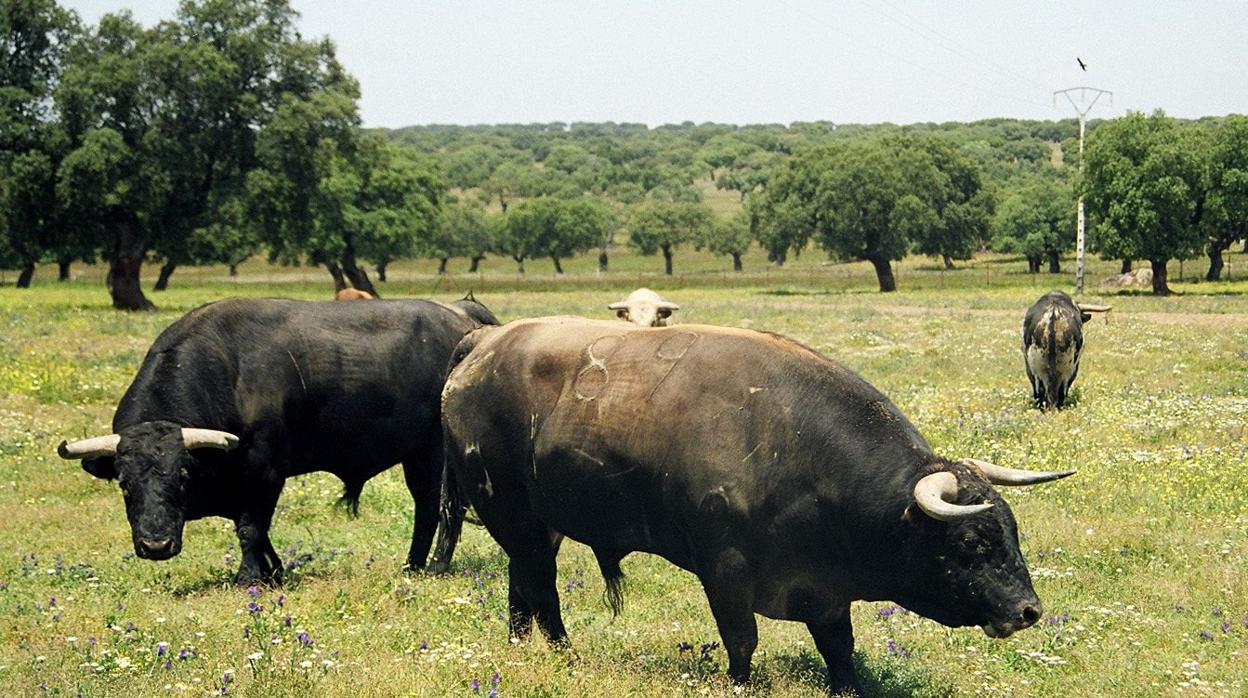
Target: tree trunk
1126	267
1033	264
948	261
1055	262
340	281
28	273
1215	264
166	271
1159	278
884	271
602	260
233	270
519	263
476	262
62	269
1215	250
381	272
442	265
502	202
736	261
126	264
356	274
558	266
667	259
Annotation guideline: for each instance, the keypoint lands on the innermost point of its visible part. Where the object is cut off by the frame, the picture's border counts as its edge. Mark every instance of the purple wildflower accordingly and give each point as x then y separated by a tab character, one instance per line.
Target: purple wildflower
708	647
254	607
889	611
91	640
184	654
1226	626
423	645
281	600
684	647
168	664
1206	635
51	602
286	621
254	591
897	650
130	626
246	632
475	685
495	679
1217	610
162	648
304	638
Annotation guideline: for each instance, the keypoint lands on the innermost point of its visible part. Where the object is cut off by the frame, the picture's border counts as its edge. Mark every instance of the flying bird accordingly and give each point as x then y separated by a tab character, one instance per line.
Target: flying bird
1082	65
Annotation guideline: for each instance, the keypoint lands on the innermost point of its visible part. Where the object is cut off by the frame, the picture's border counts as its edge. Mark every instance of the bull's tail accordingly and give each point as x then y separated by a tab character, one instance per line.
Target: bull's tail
452	510
349	501
1054	386
613	576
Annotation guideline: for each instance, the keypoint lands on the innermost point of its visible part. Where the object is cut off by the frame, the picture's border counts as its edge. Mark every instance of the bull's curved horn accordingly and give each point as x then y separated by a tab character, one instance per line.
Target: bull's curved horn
208	438
668	305
89	448
618	305
1012	477
1093	308
932	493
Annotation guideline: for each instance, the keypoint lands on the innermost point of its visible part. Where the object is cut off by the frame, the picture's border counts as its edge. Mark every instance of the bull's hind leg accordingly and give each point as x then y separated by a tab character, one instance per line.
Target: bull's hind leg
532	591
725	578
424	480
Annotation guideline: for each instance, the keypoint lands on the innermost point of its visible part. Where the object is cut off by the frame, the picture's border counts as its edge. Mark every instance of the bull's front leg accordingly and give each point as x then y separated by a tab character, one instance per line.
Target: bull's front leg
261	486
835	642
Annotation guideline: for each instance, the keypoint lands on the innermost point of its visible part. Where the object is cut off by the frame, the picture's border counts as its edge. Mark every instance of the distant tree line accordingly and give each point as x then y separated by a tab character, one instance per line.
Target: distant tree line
221	134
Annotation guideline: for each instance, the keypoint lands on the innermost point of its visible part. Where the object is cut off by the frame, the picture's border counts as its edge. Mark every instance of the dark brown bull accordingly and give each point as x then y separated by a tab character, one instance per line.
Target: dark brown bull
785	482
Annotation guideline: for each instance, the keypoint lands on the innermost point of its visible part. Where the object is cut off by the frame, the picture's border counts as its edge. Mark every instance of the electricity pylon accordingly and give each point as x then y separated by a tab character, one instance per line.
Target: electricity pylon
1082	107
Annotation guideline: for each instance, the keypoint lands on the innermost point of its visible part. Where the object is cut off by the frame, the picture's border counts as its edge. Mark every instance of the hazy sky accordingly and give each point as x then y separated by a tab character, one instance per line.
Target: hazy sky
479	61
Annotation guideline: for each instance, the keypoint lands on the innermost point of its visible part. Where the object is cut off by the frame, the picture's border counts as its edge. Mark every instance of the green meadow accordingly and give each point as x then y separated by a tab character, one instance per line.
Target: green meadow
1139	559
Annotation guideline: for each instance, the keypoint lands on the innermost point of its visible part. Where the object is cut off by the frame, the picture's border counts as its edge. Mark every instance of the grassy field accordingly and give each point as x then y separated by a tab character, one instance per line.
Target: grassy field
1139	559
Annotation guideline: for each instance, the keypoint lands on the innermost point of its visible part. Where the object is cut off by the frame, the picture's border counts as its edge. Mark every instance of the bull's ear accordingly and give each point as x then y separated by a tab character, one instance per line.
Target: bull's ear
103	467
622	314
665	313
1085	316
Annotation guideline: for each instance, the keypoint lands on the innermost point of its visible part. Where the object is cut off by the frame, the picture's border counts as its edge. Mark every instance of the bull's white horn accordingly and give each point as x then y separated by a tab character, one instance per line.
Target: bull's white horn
89	448
668	305
1012	477
1093	308
208	438
932	493
618	305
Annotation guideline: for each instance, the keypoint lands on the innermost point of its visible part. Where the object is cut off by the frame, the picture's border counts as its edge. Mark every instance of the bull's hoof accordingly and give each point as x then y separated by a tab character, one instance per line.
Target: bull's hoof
436	568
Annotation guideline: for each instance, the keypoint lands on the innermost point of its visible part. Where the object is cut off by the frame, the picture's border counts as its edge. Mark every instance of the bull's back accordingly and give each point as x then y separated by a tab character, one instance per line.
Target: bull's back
621	433
348	383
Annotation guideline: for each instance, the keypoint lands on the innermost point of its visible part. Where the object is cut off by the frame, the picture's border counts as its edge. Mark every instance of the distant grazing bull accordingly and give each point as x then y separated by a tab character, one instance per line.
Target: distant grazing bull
785	482
645	308
1052	343
241	394
353	294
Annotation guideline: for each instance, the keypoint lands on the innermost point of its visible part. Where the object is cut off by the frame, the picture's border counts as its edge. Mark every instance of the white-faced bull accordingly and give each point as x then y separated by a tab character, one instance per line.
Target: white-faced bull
1052	345
239	395
785	482
645	308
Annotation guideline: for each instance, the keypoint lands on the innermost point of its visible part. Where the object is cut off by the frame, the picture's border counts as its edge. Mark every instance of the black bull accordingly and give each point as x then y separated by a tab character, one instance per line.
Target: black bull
238	395
788	485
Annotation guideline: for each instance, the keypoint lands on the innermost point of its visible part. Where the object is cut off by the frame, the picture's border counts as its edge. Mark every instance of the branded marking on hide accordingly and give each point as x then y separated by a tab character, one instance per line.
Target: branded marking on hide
672	349
592	380
298	372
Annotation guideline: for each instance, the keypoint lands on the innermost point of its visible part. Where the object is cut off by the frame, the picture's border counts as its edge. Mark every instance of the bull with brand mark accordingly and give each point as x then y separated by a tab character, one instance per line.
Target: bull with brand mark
1053	344
788	485
238	395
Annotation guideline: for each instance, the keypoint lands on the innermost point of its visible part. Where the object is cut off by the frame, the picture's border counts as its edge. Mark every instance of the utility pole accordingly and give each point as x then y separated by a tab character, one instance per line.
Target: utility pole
1082	107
